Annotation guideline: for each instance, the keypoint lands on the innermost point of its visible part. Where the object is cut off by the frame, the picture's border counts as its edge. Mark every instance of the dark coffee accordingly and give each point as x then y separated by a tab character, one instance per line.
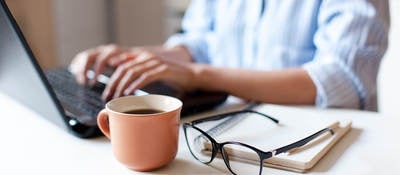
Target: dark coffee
143	111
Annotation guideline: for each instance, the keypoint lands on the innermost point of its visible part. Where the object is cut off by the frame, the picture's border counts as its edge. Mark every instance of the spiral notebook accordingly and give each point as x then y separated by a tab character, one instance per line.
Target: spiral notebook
262	134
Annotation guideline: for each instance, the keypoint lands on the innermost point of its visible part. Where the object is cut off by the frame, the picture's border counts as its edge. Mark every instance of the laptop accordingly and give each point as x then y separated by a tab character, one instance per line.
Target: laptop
55	95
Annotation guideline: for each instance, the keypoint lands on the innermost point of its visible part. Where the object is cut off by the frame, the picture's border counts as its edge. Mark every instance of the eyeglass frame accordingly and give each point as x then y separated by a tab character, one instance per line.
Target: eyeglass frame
216	146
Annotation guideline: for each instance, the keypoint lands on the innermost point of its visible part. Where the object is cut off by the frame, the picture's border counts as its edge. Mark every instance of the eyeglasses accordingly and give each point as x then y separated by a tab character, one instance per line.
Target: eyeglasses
205	148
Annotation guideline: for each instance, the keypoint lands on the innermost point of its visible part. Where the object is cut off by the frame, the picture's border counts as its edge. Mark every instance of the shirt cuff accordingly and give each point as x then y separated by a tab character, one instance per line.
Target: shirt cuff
334	85
196	45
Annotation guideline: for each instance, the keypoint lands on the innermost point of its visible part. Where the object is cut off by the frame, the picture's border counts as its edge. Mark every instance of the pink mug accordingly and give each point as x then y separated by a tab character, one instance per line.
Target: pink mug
143	130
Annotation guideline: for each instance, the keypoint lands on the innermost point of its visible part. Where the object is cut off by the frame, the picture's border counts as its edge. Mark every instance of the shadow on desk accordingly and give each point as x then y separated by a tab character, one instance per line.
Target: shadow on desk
101	139
179	166
337	151
183	167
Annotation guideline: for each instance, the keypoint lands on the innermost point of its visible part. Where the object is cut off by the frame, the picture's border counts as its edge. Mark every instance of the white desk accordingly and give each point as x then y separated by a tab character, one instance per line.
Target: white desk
31	145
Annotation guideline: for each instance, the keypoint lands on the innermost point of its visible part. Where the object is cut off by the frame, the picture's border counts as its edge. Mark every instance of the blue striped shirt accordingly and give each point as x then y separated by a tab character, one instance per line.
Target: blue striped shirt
340	43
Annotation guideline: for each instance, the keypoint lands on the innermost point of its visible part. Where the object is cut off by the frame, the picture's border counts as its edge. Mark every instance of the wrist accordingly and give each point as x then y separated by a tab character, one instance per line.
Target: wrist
203	77
178	52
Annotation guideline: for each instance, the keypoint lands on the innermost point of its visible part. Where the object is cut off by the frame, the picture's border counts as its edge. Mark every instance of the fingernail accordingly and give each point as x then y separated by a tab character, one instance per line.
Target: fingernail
104	97
106	93
129	90
81	80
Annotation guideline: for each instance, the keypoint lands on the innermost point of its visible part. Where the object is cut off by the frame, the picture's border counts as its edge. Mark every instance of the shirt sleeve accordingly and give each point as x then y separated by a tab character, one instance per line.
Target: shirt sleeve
197	25
351	39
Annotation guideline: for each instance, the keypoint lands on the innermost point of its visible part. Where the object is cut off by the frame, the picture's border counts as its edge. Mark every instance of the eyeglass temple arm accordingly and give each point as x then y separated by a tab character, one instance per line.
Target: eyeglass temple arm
230	114
304	141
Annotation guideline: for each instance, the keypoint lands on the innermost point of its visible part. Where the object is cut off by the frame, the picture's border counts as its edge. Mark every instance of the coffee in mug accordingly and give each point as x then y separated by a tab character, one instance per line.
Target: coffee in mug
143	111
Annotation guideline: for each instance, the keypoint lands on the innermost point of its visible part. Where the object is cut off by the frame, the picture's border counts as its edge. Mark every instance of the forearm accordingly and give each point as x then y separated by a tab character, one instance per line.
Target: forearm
289	86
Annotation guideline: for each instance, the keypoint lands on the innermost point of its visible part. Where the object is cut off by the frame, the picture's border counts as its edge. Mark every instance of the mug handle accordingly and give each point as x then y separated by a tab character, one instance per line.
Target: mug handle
102	122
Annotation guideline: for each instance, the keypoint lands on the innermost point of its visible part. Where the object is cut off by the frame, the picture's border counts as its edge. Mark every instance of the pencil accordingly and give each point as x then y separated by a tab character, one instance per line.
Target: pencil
321	138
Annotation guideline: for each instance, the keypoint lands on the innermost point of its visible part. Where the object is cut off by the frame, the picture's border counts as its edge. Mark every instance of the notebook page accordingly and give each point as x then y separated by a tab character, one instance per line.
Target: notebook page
265	135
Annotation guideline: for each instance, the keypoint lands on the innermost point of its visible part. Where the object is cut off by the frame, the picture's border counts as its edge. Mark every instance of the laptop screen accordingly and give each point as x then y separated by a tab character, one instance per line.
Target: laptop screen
20	74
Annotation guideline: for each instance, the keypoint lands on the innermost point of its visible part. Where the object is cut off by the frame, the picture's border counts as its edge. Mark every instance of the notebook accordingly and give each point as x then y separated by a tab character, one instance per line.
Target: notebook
55	95
267	136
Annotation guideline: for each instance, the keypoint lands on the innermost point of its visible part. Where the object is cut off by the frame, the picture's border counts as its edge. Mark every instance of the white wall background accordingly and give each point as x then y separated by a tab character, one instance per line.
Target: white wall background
58	29
139	22
78	25
389	75
84	24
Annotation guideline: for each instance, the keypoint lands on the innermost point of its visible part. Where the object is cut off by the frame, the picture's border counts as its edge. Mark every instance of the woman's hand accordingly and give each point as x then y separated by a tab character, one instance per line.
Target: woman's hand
146	67
135	67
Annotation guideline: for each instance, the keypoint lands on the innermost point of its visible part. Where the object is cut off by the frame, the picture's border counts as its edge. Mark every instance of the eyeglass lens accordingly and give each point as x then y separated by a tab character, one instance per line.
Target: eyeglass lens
236	157
241	159
199	145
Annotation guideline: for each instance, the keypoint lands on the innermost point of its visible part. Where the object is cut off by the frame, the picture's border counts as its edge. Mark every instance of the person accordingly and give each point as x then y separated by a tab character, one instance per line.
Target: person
320	52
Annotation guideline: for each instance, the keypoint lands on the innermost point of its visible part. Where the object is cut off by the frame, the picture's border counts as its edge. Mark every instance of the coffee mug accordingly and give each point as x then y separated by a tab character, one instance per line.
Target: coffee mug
143	130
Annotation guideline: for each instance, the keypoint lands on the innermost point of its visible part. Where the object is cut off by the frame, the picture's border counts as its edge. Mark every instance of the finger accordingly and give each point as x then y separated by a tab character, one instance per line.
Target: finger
119	74
129	77
81	64
146	78
106	53
133	74
114	80
123	58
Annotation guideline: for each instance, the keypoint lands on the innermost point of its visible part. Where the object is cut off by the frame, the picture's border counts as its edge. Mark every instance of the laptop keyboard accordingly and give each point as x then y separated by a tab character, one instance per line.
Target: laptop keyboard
82	102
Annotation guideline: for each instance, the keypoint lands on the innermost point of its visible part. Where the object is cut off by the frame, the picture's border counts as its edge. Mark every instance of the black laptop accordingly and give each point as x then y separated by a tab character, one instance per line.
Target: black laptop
55	95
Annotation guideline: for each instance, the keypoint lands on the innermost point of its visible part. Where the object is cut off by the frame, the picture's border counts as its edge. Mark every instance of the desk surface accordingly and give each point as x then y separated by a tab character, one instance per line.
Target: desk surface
31	145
